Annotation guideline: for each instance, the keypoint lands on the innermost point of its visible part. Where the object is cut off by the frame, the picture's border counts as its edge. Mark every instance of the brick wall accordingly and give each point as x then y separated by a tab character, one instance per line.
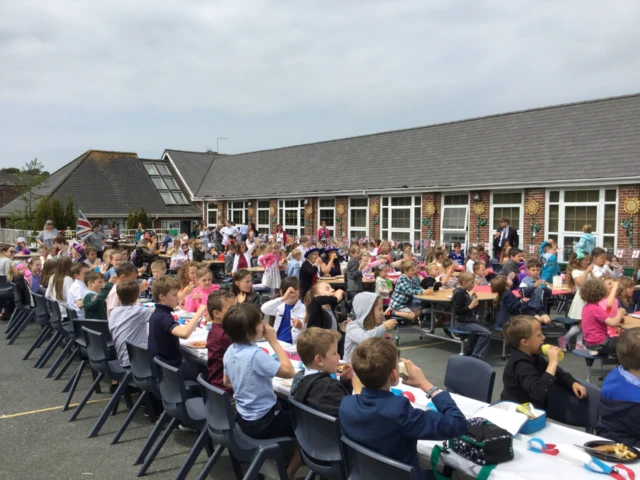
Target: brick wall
311	222
222	212
473	219
374	230
625	192
429	198
537	194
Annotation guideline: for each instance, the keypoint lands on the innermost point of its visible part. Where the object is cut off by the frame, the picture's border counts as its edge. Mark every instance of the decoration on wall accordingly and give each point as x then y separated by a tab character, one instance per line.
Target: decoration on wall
339	214
251	211
531	208
308	210
375	210
631	207
429	210
272	210
479	208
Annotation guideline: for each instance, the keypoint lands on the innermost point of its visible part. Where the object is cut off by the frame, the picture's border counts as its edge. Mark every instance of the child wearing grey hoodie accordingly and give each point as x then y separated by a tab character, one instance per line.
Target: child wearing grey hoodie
368	309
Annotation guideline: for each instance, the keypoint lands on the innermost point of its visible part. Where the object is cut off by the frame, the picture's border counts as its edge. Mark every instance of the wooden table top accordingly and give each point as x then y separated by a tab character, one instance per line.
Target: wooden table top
340	280
444	296
630	322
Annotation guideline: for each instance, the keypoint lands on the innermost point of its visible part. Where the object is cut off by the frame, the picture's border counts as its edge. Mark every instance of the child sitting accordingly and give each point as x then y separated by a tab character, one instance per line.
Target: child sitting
480	274
388	424
506	303
464	308
76	293
534	292
293	267
482	255
511	267
446	276
288	310
549	261
77	254
93	302
384	286
367	307
34	265
595	320
92	257
242	287
218	342
319	303
303	247
619	408
249	370
198	298
599	258
129	322
406	287
229	259
158	269
472	258
125	272
316	386
527	376
309	271
164	331
115	260
614	269
457	255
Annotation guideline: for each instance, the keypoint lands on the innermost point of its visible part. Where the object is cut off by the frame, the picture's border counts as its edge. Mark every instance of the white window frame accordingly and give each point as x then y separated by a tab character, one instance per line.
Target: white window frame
332	226
295	230
414	234
598	229
231	210
170	225
366	216
263	227
465	230
211	207
492	216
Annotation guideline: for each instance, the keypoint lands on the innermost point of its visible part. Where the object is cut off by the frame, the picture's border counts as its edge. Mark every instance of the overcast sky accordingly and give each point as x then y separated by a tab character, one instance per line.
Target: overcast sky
142	76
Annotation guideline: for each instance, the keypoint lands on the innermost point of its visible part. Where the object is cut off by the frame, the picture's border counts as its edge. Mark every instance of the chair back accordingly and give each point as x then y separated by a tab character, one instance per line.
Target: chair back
9	293
364	464
217	408
563	406
143	369
470	377
55	317
71	313
172	389
3	281
97	349
101	326
41	309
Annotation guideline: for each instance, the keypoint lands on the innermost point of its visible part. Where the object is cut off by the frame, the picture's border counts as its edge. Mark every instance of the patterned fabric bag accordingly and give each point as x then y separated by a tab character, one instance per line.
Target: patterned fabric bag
484	443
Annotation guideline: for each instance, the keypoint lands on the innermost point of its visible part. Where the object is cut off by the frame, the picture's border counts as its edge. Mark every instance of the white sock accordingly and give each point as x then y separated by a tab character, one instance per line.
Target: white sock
575	330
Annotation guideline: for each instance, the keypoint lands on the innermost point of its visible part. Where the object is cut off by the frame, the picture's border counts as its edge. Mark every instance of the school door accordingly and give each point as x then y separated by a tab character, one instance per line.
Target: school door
455	219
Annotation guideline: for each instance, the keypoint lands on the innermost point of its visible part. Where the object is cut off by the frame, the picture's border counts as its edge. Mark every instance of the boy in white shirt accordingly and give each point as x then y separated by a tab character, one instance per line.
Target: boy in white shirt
78	290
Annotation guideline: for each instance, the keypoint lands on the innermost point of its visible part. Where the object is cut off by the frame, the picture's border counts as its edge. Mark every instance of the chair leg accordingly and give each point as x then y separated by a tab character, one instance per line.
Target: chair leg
310	476
129	418
38	340
84	401
152	438
74	385
67	348
193	455
64	368
14	321
21	328
256	465
156	448
235	463
70	382
107	410
45	354
211	462
44	339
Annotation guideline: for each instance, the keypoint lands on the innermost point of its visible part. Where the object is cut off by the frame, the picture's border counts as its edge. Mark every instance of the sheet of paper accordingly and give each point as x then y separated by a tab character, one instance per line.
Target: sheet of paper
512	422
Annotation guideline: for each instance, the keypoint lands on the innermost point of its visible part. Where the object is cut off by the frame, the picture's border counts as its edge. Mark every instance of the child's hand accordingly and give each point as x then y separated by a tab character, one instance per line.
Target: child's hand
552	353
589	269
289	294
452	268
270	334
196	296
113	279
512	275
296	323
79	303
428	291
339	294
416	377
189	288
241	297
622	312
144	286
347	372
388	336
525	299
474	303
390	324
579	391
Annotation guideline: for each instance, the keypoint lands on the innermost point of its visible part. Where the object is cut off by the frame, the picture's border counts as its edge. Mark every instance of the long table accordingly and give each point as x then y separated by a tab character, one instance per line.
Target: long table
526	464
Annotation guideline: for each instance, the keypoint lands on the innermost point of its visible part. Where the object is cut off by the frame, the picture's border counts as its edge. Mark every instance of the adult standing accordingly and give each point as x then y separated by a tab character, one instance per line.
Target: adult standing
139	232
95	239
506	233
280	235
229	232
323	232
46	236
217	237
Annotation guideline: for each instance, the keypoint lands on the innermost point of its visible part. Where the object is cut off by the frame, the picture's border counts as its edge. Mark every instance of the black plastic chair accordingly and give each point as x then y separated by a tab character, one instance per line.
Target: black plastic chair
319	437
55	319
20	318
226	433
102	361
364	464
180	408
70	348
470	377
42	318
563	406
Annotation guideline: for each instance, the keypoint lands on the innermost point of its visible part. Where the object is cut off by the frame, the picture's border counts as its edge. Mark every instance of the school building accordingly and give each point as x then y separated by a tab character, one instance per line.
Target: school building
550	170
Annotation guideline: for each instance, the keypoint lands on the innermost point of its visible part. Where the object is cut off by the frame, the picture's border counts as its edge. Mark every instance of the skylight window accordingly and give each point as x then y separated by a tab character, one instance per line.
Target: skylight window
166	185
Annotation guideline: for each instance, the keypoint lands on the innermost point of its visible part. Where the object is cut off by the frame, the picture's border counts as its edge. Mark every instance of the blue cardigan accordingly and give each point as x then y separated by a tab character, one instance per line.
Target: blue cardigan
619	410
509	306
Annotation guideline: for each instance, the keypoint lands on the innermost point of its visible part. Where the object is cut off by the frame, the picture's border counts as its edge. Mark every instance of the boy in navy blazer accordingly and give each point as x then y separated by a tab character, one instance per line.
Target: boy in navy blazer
388	424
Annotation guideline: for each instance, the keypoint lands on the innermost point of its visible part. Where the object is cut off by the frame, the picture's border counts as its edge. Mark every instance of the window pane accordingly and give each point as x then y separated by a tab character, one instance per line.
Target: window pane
401	236
451	237
151	169
327	202
416	218
263	217
512	213
163	169
608	242
576	217
400	201
581	196
358	202
213	217
212	206
179	196
157	181
610	219
291	217
567	246
263	204
358	218
554	196
385	201
327	216
291	203
385	218
506	198
454	217
417	201
358	234
553	217
167	198
401	218
456	199
171	183
238	205
610	196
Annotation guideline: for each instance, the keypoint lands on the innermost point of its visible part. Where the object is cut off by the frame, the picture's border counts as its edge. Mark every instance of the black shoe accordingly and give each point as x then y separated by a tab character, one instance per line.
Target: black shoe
113	387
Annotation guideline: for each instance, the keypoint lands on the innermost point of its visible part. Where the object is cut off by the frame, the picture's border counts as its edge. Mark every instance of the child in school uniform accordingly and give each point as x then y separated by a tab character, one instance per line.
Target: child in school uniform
76	293
388	424
528	377
534	293
218	342
595	320
165	332
127	271
96	295
316	385
480	274
369	323
457	255
472	257
204	280
506	303
293	267
242	287
464	305
357	263
249	371
288	310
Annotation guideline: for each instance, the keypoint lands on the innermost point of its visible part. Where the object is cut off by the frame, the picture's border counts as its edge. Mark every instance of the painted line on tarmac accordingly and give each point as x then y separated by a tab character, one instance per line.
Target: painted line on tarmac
419	346
31	412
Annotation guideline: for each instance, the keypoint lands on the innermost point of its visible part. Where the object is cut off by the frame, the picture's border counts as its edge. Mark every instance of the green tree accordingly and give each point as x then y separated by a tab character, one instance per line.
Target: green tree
131	220
57	215
29	177
136	217
42	213
70	218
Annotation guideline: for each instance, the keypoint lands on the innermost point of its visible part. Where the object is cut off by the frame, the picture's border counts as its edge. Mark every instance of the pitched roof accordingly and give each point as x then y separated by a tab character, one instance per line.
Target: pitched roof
105	183
589	140
191	166
10	179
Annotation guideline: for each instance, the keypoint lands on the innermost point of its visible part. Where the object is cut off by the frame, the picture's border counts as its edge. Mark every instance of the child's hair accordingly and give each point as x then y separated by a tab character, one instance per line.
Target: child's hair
477	266
47	270
628	349
471	250
499	285
304	239
126	268
431	267
203	272
587	228
296	254
261	250
163	286
90	250
159	265
457	245
379	269
446	263
369	322
374	360
238	276
77	268
533	263
597	252
406	265
517	329
106	256
315	341
63	269
183	274
465	277
59	239
480	248
128	292
92	276
231	246
593	291
513	251
241	322
289	282
621	295
215	301
354	250
573	264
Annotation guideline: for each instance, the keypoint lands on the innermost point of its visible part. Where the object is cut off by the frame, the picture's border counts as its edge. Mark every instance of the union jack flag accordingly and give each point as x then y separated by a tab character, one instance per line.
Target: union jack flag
83	226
